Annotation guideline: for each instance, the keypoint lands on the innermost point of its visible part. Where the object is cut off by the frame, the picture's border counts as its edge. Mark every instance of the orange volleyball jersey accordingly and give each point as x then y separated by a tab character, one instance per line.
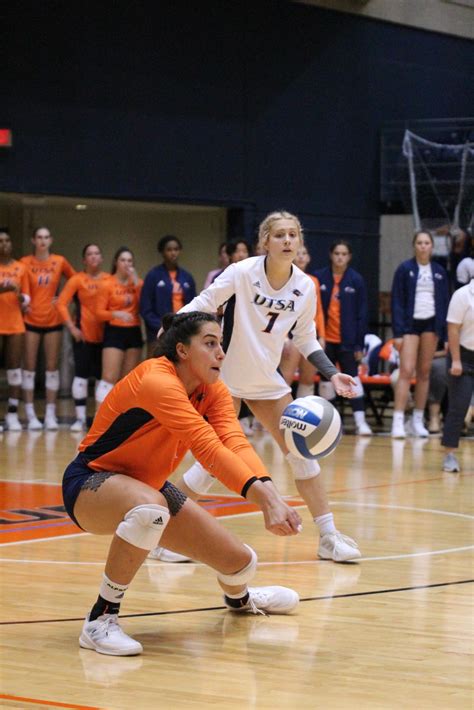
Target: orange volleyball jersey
319	320
333	323
116	296
11	317
83	288
44	279
148	422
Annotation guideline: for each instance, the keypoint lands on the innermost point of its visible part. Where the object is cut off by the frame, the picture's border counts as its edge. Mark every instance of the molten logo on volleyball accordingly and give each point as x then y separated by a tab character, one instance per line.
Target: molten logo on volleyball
312	427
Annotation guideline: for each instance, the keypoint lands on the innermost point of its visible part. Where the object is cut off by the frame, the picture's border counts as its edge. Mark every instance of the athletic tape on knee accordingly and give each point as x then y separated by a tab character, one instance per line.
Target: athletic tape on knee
102	390
28	379
143	525
358	389
245	574
52	380
14	377
79	388
198	479
326	390
303	468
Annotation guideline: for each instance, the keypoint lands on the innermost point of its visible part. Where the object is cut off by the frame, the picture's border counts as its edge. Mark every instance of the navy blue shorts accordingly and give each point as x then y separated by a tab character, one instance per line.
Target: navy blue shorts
41	330
87	359
78	473
122	337
75	475
419	326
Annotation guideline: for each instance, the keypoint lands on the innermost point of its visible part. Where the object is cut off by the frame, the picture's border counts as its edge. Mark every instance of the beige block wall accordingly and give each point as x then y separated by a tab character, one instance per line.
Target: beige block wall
111	225
395	245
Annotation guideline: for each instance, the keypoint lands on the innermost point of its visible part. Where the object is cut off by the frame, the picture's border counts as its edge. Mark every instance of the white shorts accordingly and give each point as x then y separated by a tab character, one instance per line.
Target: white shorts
267	388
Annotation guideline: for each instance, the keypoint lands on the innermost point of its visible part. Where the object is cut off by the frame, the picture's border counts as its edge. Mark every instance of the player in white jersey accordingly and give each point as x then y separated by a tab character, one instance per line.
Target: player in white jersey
267	297
257	320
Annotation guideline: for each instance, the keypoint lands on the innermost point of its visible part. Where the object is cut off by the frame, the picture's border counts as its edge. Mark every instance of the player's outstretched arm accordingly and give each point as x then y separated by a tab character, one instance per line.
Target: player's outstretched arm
343	383
279	518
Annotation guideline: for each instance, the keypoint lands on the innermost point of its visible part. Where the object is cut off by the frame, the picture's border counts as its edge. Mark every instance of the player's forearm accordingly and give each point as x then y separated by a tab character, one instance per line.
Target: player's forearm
322	363
453	340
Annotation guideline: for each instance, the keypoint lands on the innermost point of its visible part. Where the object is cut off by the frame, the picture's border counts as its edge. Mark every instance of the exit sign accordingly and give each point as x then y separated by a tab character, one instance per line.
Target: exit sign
5	138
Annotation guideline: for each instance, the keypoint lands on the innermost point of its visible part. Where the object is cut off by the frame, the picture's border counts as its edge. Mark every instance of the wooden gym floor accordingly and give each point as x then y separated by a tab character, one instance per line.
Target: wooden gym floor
393	631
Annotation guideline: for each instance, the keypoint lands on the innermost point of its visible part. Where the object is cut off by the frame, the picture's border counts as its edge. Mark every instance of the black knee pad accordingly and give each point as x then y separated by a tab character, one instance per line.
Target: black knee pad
174	497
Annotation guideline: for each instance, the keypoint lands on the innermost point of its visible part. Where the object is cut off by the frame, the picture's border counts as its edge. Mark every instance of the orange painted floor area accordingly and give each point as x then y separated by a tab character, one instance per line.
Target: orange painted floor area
32	511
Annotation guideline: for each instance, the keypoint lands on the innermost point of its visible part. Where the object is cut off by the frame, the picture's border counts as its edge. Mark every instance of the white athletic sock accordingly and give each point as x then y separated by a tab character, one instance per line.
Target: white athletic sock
50	410
13	404
418	415
112	591
30	411
398	417
325	524
359	417
81	412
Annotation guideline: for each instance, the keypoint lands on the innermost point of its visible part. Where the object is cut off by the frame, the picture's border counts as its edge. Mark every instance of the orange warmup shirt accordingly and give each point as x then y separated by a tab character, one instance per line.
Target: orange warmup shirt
11	317
44	278
333	323
177	295
116	296
83	288
319	320
148	422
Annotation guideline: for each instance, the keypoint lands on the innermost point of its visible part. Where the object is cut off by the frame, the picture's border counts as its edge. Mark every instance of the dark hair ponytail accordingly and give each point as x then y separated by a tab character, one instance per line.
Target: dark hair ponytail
180	328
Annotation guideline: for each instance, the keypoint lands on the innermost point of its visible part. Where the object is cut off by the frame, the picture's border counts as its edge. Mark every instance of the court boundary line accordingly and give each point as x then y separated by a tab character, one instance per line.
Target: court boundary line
324	597
56	704
157	563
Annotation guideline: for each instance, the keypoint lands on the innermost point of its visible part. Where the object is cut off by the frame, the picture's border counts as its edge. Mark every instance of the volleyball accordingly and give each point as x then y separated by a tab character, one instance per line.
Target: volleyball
312	427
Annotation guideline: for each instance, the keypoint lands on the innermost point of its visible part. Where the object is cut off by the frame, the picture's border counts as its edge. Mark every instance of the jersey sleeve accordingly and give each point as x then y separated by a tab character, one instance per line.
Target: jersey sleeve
102	311
166	399
65	298
457	309
304	332
221	416
25	283
215	295
67	269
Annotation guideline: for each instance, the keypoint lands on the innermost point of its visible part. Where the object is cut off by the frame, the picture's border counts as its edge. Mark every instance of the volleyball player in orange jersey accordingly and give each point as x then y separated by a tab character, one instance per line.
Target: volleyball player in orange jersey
118	482
43	322
86	329
14	296
292	359
118	306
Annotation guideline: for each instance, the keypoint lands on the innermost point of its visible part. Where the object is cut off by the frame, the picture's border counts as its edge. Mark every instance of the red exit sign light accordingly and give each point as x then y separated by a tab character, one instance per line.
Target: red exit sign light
5	138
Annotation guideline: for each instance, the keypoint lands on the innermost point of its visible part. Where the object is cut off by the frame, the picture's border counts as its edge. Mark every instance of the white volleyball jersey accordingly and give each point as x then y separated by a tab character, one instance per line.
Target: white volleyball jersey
257	319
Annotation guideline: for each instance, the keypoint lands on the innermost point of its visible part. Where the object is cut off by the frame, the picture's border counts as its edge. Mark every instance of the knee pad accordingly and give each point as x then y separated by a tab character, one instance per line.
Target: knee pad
79	388
143	525
358	389
198	479
245	574
52	380
28	380
304	390
303	469
102	390
14	377
326	390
